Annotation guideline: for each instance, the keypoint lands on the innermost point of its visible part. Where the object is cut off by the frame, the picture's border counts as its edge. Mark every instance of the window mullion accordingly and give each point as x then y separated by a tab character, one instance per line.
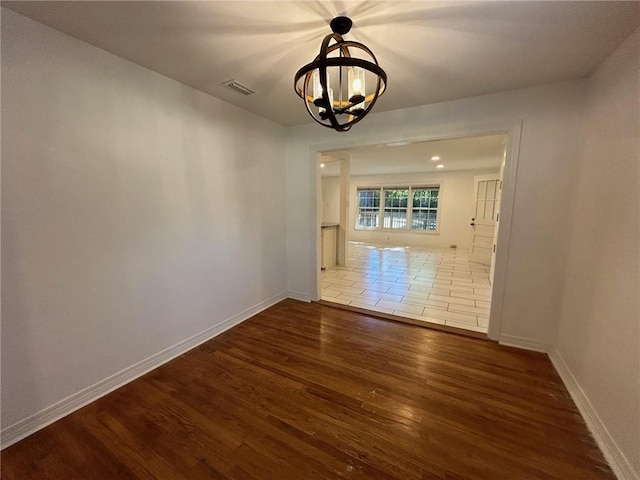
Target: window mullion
381	209
409	209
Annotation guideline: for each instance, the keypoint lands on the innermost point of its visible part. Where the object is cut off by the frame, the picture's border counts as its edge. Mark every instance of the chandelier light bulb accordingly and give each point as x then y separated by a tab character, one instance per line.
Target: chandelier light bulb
317	88
356	84
356	91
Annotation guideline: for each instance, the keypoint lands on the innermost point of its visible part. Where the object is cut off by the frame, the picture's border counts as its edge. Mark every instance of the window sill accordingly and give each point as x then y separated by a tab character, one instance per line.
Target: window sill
397	230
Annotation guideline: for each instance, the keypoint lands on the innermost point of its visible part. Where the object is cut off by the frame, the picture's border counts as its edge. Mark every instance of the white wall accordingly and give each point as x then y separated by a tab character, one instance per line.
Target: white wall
599	328
551	123
330	199
137	212
455	208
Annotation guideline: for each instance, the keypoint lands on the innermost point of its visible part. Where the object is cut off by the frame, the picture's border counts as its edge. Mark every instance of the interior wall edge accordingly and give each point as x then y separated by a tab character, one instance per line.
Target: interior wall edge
612	453
27	426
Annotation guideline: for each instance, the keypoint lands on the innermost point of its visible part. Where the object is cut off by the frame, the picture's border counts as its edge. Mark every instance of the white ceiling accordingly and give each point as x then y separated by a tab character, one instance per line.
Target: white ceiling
431	51
455	154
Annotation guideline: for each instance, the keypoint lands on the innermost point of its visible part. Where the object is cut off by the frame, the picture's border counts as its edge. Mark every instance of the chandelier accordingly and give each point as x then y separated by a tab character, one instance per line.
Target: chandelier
333	86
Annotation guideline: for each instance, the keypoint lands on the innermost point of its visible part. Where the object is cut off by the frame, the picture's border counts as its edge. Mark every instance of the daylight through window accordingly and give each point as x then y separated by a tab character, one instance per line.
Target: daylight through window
403	208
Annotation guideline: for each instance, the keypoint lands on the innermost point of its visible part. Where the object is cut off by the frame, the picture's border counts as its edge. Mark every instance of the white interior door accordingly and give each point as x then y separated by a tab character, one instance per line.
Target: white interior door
492	270
486	200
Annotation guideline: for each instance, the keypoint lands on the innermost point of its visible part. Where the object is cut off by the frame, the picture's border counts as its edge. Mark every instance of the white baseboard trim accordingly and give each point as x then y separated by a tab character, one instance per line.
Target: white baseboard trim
621	467
39	420
303	297
521	342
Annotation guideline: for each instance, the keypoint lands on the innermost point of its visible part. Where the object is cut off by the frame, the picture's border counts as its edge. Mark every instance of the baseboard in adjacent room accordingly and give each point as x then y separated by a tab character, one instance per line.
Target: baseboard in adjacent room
617	460
37	421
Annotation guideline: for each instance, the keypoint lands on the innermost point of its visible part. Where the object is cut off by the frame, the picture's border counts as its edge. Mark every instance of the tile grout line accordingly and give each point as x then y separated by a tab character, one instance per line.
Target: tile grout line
447	268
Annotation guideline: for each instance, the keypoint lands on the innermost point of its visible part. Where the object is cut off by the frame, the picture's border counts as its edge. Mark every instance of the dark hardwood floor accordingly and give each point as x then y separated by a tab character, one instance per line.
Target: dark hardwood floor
306	391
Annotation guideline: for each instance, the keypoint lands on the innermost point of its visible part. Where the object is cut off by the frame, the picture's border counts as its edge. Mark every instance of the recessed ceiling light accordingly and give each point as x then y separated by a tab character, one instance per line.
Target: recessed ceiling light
435	158
322	165
440	166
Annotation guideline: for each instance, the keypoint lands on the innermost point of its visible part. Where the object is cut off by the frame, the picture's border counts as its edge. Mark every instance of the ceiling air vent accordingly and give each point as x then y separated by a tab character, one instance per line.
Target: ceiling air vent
237	86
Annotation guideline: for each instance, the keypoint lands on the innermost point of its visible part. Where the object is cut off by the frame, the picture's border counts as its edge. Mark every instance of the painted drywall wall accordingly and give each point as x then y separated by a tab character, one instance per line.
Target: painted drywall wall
455	207
137	212
551	118
331	199
599	327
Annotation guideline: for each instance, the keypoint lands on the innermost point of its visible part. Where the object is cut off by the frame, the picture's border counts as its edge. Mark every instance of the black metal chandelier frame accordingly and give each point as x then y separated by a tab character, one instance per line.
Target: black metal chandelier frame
339	26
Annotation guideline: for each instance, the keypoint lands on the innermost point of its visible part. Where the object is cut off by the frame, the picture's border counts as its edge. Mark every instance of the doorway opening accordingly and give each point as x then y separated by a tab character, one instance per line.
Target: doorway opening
411	229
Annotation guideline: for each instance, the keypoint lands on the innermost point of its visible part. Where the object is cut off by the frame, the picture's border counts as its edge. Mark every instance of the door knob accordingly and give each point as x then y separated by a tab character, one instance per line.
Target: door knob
472	224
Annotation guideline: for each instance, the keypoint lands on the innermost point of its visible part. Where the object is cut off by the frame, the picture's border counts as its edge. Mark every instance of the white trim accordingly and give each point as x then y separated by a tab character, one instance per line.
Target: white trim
47	416
316	231
511	127
377	185
303	297
503	242
521	342
620	465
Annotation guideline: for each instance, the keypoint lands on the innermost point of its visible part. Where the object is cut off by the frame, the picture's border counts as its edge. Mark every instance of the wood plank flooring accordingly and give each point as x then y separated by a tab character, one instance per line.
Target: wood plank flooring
306	391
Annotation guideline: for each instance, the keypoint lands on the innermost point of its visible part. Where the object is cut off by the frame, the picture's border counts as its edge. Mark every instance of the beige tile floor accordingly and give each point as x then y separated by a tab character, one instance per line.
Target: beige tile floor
436	286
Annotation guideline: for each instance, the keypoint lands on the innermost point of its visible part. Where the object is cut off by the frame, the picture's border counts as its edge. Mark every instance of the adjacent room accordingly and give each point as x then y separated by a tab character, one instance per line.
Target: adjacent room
421	221
186	293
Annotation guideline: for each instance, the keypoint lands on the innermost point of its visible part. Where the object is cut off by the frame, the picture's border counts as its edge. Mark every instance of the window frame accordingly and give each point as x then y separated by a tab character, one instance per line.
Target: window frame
392	208
357	203
381	209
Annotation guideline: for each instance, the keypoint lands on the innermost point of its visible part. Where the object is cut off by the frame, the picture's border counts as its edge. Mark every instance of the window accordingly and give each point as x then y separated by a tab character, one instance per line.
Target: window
368	208
395	207
424	212
403	208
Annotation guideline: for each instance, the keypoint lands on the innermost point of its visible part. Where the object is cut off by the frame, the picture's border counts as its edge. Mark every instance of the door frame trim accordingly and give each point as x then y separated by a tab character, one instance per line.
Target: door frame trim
513	131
